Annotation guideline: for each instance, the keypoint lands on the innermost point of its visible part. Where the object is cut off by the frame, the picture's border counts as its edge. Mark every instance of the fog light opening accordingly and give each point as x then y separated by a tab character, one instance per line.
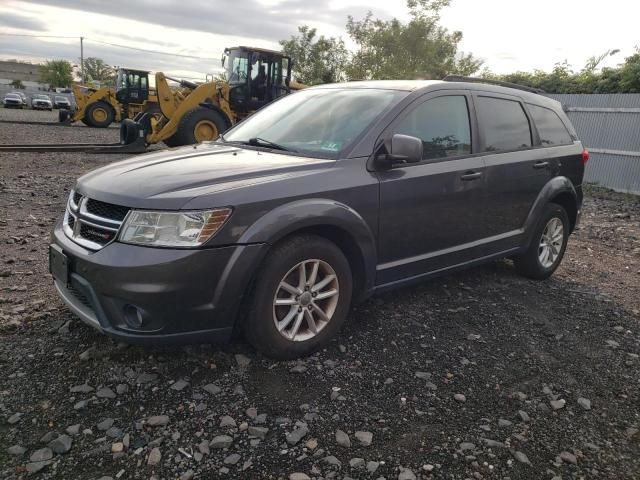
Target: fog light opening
133	316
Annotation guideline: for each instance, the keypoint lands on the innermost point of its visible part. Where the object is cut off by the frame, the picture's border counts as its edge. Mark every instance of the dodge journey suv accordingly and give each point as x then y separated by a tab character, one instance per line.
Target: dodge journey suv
315	202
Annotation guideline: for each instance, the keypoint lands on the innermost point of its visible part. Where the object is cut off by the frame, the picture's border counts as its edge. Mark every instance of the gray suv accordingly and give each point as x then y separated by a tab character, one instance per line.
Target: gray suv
315	202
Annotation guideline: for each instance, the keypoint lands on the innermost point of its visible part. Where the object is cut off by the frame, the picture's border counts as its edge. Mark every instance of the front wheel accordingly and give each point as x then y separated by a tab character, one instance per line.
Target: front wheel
549	243
198	125
301	298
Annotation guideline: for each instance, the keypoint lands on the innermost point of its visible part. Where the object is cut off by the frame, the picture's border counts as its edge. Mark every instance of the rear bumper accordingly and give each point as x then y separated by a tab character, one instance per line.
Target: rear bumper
176	296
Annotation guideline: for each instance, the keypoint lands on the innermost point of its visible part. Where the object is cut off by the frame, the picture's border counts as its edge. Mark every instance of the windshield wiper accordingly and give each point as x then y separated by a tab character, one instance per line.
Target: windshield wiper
257	141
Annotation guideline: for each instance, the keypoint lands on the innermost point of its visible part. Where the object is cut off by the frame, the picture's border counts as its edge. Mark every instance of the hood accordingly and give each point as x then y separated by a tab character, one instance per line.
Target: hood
170	178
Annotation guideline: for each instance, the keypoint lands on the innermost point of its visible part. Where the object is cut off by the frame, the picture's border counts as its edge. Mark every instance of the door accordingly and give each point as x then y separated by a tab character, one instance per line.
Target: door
430	212
516	171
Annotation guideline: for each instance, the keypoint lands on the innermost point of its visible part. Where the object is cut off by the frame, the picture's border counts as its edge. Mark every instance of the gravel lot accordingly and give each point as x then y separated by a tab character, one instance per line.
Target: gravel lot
478	375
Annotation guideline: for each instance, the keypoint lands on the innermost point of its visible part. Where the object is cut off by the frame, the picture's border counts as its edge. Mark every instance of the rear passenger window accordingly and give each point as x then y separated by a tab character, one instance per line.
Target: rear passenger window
442	124
550	128
503	123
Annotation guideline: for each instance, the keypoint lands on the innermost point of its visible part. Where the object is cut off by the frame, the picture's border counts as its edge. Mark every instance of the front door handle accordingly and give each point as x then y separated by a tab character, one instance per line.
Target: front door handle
471	176
541	165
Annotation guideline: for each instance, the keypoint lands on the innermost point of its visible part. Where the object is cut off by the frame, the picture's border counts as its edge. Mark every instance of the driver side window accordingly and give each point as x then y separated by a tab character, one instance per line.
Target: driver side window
442	124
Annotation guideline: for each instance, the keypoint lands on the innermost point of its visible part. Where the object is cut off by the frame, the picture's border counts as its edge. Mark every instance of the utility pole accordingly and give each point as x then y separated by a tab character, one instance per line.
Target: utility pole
82	60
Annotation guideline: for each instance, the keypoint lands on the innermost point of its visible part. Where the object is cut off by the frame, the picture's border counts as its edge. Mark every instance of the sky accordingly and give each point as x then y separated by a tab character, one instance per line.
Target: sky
509	35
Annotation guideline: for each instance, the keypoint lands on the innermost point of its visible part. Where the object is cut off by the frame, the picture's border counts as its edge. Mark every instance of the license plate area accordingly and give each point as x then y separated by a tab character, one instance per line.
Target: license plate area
58	264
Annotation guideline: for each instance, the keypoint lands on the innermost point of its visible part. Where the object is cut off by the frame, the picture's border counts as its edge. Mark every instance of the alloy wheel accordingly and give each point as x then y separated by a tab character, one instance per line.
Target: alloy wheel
551	242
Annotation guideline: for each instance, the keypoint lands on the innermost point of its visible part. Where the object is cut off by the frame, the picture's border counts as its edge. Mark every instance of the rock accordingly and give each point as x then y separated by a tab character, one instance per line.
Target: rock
584	403
61	445
312	443
372	466
221	441
356	462
251	412
558	404
16	450
203	447
504	423
146	378
15	418
188	475
568	457
299	476
105	392
262	418
47	437
158	420
406	474
232	459
212	389
365	438
87	354
524	416
41	455
154	457
259	432
122	388
114	432
458	397
298	369
521	457
242	360
117	447
84	388
612	344
105	424
81	405
631	432
126	441
493	443
430	386
423	375
226	421
467	446
331	460
342	439
34	467
179	385
295	436
73	429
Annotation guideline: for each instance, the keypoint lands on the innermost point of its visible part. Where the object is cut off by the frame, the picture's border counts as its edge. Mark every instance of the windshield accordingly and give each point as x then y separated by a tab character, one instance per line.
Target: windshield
316	121
63	99
237	66
40	97
12	95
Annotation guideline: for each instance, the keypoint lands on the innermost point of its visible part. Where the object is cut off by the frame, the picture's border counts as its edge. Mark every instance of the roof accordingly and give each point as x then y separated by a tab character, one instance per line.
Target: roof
256	49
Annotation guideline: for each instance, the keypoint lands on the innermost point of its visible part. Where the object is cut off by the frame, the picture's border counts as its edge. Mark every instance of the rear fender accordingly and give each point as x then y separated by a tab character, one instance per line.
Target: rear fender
552	189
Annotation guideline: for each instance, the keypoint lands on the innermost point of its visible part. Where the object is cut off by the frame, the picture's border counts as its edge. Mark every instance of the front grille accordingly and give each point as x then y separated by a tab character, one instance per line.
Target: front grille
92	223
82	298
106	210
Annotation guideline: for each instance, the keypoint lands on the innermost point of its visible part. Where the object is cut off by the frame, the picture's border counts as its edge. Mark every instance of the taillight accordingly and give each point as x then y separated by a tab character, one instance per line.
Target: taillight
585	156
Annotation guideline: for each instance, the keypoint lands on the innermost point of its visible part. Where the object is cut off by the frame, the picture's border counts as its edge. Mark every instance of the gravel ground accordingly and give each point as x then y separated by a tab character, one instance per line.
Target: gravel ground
478	375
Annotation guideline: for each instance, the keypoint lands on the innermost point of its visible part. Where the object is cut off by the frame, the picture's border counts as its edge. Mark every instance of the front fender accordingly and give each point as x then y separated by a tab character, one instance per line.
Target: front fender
317	213
552	189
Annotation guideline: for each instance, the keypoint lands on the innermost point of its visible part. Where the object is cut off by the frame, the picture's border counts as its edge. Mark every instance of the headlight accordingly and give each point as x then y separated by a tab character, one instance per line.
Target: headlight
172	229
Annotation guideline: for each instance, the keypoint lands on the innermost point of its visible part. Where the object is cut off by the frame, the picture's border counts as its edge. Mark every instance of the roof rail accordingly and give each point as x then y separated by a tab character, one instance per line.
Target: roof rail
460	78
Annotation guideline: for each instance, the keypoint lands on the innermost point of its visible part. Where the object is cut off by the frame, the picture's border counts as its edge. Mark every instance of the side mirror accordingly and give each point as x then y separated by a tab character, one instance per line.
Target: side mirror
404	149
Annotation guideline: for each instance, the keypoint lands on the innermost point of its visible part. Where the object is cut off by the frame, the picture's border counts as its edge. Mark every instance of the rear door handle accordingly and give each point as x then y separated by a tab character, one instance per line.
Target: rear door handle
471	176
541	165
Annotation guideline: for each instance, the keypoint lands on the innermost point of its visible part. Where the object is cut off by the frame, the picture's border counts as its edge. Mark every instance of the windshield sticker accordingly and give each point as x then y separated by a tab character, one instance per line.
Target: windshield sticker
331	146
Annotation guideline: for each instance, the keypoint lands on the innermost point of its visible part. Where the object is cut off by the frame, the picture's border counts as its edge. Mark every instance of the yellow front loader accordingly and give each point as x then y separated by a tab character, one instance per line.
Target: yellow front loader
103	106
195	113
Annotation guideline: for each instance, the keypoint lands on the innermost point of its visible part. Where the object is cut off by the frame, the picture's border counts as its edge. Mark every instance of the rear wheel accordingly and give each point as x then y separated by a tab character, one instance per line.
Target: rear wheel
198	125
301	298
548	245
98	114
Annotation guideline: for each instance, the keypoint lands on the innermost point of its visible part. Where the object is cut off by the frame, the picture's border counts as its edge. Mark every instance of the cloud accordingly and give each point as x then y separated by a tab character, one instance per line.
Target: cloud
21	22
249	18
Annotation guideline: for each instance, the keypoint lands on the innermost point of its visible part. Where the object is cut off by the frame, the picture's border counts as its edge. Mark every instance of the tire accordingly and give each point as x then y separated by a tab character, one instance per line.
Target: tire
283	263
99	115
201	118
530	264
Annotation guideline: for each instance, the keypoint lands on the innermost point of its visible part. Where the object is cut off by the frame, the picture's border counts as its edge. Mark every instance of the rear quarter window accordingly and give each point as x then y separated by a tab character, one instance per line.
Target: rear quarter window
550	128
503	123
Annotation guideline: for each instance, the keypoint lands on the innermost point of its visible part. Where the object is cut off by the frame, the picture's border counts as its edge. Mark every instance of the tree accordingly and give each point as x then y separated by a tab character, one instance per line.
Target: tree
316	59
56	73
419	49
96	70
17	84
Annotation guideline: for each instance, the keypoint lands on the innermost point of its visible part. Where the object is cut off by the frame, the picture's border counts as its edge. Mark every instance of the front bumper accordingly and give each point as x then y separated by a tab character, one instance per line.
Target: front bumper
180	296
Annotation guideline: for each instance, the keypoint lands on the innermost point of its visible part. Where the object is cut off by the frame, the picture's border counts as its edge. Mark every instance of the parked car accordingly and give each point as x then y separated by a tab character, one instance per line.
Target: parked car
41	102
317	201
13	100
61	102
